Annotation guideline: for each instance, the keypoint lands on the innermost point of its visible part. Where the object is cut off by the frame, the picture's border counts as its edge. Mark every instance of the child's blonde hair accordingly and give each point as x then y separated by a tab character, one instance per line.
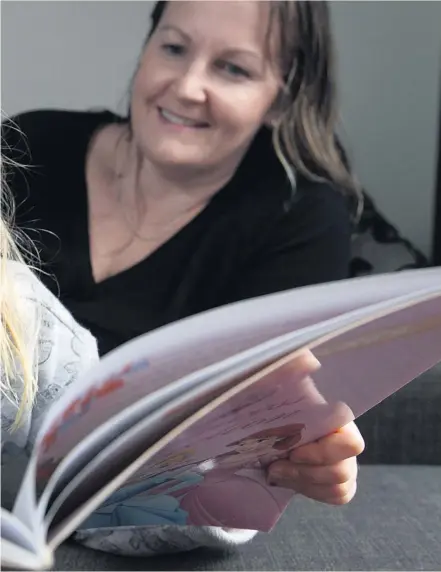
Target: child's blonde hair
16	361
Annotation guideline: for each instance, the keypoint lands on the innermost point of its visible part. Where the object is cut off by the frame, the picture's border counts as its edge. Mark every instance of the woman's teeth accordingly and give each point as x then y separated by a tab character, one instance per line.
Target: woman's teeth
178	120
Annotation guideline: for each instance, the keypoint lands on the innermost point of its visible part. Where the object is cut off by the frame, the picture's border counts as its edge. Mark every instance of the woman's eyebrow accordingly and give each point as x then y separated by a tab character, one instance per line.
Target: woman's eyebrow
248	52
171	28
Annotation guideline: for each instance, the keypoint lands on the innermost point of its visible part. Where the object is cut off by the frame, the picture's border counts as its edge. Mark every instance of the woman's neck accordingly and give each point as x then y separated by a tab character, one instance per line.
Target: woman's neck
177	186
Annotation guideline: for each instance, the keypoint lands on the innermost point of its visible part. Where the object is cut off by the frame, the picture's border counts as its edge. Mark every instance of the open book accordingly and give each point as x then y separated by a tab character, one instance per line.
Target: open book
177	426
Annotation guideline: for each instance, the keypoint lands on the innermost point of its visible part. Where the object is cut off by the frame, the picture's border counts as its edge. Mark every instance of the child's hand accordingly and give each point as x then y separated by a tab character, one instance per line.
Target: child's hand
325	470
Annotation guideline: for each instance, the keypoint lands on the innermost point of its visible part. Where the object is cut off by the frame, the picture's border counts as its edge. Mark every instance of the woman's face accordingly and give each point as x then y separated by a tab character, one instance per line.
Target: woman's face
205	84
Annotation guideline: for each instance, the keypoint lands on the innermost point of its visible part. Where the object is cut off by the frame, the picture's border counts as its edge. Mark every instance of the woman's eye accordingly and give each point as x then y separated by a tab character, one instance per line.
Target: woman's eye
234	70
173	49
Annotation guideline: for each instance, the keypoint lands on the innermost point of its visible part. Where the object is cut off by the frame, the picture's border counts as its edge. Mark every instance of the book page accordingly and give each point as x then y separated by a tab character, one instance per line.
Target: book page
20	549
220	452
14	557
227	448
212	380
175	351
15	532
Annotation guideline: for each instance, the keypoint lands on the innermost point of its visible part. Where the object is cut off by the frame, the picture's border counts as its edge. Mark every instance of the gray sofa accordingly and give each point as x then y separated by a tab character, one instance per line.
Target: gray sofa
394	523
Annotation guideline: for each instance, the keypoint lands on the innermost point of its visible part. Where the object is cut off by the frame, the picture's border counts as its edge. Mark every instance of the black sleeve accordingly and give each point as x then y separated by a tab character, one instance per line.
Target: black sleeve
309	244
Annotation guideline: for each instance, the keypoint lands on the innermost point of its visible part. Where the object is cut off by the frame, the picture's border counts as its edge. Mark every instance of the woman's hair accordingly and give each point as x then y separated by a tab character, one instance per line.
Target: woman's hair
18	382
304	136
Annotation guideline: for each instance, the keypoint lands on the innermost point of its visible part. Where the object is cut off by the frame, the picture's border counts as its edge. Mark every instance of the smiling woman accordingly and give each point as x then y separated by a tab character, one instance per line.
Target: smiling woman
224	182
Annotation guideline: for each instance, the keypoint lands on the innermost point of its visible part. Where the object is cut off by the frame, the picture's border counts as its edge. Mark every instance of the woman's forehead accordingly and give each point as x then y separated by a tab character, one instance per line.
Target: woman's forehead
236	24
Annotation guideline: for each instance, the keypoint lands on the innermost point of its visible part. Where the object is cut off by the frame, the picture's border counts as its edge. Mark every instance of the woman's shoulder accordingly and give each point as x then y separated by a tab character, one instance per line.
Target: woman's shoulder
319	203
44	150
56	118
32	133
268	192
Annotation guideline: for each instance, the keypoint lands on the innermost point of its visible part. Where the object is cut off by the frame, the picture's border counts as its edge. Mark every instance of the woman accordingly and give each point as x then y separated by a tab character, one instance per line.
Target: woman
224	182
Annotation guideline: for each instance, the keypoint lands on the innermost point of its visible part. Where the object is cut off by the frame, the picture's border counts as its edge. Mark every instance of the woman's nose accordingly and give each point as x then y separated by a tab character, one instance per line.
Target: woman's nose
191	85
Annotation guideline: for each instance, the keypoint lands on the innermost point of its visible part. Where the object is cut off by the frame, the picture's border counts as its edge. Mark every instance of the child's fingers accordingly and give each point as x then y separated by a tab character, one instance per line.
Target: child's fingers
343	444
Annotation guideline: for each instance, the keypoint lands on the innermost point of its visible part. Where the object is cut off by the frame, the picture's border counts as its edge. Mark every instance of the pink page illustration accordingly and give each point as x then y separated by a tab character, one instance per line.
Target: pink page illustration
205	476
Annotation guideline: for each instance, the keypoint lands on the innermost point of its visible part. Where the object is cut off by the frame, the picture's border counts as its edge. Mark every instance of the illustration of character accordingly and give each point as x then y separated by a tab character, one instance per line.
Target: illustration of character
262	447
156	466
138	503
135	505
183	489
238	474
256	450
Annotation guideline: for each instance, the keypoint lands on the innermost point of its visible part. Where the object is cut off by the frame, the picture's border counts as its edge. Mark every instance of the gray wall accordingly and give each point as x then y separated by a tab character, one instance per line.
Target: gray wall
75	54
390	76
82	54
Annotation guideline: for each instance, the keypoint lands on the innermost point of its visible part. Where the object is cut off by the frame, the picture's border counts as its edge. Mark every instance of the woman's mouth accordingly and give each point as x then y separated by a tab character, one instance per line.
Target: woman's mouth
180	120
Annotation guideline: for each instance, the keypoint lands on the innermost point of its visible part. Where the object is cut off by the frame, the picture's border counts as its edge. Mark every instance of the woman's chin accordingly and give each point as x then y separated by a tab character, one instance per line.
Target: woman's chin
179	161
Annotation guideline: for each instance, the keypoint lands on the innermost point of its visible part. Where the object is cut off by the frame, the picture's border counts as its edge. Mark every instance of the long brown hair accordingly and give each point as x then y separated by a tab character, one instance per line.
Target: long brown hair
304	136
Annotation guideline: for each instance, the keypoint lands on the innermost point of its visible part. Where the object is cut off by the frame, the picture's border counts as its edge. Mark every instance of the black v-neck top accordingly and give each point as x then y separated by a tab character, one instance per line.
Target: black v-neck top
245	243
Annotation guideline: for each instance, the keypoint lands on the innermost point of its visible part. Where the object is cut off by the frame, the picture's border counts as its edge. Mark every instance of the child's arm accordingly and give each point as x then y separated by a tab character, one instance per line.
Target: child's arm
58	347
